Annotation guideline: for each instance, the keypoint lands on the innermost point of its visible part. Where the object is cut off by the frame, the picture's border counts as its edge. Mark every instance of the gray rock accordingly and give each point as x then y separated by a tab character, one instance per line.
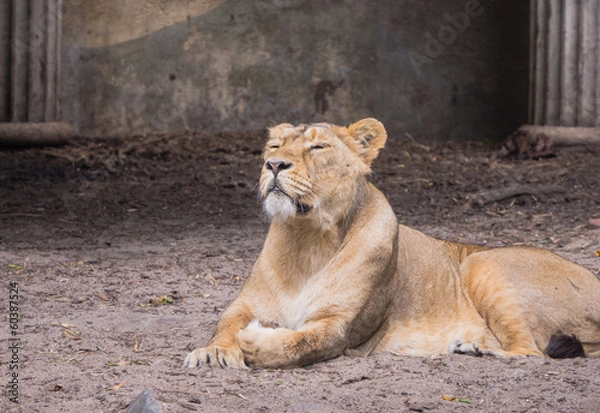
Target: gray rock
144	403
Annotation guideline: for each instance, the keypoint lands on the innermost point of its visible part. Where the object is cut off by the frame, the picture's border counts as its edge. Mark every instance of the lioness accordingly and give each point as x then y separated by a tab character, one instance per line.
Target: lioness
338	275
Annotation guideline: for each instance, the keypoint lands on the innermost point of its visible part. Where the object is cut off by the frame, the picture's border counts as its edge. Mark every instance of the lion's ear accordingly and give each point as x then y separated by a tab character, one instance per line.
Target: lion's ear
369	137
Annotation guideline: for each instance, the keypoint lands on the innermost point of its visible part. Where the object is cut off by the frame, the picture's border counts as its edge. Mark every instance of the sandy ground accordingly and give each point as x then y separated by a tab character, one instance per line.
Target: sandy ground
125	253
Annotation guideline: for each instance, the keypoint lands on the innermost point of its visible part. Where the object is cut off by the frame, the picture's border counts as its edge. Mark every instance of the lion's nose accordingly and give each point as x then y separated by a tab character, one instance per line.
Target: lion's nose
278	166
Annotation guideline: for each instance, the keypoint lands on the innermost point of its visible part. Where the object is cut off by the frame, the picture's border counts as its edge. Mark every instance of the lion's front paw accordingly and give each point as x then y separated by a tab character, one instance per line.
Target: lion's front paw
267	347
216	356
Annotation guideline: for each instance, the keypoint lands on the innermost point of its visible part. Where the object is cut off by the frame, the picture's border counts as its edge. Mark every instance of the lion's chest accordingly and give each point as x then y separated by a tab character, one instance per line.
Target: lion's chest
295	279
292	307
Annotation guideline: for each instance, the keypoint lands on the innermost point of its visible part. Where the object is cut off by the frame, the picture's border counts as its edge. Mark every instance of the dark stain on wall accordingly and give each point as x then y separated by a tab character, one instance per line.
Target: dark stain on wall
323	89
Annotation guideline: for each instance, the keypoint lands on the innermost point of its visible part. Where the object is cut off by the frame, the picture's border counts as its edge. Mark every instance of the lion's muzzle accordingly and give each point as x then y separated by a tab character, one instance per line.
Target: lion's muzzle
275	190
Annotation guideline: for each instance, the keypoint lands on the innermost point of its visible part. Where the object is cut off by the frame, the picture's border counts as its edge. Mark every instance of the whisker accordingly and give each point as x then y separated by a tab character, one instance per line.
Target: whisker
300	184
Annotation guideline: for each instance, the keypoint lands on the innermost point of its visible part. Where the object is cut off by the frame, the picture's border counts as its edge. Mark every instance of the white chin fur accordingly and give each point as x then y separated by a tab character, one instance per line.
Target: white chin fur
279	208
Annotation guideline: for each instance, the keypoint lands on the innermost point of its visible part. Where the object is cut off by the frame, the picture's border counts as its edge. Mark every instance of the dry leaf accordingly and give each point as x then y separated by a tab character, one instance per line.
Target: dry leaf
457	399
101	296
163	299
74	335
117	386
241	396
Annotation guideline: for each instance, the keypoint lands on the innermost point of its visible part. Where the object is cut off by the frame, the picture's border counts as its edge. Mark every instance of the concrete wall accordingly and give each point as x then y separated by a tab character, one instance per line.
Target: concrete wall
437	69
5	51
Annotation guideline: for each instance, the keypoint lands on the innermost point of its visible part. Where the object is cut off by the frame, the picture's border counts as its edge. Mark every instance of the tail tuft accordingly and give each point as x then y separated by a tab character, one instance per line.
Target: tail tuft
563	346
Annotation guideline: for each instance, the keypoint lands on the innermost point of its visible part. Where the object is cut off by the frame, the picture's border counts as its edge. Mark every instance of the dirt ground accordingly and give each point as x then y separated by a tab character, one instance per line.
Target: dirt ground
125	253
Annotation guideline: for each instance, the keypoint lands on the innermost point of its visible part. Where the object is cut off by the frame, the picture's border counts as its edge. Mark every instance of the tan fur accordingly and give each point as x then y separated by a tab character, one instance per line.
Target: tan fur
337	274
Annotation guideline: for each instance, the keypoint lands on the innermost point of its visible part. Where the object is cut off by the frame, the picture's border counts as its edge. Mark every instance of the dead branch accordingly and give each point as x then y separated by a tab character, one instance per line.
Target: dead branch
493	195
564	135
14	134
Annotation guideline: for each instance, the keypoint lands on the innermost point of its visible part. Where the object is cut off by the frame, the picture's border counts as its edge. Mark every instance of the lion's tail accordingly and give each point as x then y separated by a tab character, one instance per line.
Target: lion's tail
563	346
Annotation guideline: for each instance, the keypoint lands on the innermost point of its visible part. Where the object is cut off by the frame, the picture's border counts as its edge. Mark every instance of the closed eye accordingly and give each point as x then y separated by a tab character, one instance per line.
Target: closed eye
273	146
319	146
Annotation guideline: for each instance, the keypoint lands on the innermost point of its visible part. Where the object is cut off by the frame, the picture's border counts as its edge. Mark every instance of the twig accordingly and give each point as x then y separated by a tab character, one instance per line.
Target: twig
485	197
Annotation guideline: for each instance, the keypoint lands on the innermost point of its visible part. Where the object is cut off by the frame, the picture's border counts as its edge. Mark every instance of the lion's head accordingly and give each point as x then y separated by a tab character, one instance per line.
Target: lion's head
313	171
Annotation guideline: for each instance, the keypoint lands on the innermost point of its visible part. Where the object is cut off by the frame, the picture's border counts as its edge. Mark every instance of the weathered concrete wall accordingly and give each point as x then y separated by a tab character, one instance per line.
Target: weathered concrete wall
5	51
438	70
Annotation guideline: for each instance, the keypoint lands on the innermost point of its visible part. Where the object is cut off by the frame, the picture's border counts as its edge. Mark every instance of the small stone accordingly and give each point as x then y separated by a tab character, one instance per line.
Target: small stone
144	403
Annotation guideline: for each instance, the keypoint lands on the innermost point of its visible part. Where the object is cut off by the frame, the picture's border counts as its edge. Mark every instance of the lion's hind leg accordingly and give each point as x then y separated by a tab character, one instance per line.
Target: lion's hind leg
527	295
500	307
